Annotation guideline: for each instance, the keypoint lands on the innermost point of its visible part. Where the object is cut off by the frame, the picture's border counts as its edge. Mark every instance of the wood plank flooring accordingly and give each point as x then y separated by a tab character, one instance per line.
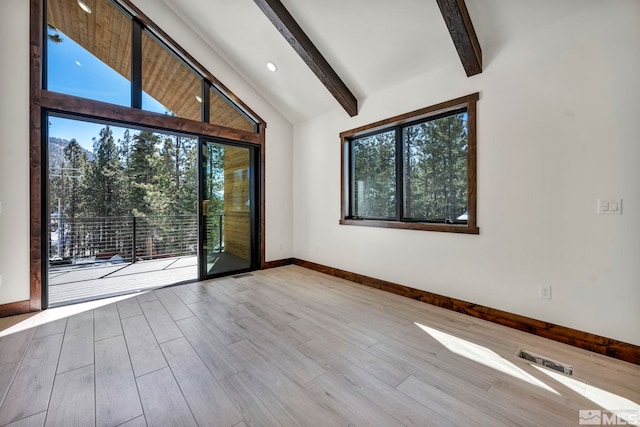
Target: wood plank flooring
290	347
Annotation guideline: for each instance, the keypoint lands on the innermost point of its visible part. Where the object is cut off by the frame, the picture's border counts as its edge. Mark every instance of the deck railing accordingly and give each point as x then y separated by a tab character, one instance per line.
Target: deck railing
128	239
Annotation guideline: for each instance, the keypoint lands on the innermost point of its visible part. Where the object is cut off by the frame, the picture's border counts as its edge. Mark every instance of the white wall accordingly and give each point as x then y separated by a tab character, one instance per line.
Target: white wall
14	150
557	129
14	142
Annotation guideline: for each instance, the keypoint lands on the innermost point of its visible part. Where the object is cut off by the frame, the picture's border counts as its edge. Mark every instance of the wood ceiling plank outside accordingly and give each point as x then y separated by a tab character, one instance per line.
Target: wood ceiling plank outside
169	81
108	42
221	113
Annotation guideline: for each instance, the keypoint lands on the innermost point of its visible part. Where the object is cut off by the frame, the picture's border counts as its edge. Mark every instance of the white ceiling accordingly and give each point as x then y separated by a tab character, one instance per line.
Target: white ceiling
372	44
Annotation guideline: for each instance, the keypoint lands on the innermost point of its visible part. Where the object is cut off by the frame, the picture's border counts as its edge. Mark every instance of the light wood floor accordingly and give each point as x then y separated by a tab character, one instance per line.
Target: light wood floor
290	347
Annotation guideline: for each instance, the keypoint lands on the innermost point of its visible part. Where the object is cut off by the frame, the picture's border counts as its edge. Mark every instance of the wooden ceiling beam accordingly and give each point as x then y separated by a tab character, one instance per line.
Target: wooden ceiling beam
464	37
291	31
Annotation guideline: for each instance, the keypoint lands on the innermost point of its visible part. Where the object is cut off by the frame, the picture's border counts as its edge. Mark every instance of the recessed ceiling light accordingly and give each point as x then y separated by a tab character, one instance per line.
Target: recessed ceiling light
272	67
84	6
199	98
78	64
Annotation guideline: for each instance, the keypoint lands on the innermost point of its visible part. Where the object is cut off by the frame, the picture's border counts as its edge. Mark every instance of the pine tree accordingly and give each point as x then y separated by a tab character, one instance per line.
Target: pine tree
124	149
103	191
168	175
214	179
105	178
142	170
437	156
76	160
375	175
188	190
434	183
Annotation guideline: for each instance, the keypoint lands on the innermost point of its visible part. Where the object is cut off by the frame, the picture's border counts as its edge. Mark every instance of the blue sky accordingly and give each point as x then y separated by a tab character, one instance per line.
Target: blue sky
83	132
73	70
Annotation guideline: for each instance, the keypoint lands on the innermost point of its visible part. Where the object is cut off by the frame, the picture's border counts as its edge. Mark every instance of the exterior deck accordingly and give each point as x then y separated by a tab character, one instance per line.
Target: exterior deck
80	283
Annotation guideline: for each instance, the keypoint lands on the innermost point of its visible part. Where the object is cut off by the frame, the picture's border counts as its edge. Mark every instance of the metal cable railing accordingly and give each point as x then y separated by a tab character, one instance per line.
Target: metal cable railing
128	239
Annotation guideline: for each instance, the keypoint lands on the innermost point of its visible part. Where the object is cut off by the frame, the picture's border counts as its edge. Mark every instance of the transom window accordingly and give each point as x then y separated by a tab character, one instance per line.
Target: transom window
415	171
96	49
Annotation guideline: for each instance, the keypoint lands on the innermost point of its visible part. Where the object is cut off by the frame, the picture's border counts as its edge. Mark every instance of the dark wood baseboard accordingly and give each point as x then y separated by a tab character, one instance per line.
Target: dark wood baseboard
278	263
585	340
14	308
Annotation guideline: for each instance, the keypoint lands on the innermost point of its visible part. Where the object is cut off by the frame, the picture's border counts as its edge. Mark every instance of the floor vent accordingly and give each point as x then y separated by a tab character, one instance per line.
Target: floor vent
546	362
240	276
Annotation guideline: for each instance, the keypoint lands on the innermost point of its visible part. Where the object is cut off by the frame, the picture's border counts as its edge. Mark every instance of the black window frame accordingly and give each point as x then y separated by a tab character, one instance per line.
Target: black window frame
466	104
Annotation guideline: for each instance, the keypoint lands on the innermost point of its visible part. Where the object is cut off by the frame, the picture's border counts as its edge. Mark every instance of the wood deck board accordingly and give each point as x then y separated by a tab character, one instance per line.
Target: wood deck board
83	283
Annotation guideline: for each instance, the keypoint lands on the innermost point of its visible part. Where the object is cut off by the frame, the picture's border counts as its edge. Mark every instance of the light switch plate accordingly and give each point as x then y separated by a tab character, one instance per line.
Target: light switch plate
609	207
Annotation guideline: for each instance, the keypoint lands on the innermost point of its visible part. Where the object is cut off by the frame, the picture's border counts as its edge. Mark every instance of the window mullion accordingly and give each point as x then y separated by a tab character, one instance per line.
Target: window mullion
136	65
45	49
206	102
351	172
399	175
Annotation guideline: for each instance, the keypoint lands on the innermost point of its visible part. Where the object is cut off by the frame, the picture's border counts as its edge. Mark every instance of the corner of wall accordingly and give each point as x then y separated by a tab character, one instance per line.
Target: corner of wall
14	151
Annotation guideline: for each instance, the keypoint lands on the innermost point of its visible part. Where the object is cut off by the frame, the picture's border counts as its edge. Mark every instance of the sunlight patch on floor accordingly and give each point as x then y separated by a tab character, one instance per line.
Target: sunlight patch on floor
625	408
58	313
483	356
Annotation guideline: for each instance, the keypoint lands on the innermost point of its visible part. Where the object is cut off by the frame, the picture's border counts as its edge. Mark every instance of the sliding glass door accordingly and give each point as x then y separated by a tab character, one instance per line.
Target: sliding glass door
229	209
121	209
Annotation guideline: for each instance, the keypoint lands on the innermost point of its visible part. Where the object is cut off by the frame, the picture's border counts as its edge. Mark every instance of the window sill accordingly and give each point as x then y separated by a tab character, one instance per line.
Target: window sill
446	228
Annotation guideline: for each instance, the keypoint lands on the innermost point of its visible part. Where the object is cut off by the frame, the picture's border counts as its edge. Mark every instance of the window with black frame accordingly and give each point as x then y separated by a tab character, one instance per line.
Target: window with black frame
415	171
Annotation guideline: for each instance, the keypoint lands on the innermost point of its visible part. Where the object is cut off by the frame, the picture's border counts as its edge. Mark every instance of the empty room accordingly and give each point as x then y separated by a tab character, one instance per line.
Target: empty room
319	213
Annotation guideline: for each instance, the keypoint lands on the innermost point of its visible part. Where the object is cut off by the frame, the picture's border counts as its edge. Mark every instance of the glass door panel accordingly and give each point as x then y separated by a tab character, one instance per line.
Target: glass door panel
228	209
122	209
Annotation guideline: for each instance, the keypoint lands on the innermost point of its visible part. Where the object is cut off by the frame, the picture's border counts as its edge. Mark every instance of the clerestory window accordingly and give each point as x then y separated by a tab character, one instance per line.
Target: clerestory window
97	49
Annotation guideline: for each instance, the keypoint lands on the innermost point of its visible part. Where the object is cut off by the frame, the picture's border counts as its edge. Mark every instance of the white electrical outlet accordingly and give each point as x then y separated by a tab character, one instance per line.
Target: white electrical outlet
544	292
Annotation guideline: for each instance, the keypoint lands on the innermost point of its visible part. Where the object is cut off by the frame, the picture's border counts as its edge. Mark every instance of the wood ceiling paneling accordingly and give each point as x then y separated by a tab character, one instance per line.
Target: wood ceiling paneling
106	33
169	81
223	114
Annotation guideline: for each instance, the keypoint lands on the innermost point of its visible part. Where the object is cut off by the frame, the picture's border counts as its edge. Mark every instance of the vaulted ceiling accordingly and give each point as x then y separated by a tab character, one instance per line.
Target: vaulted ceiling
371	44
